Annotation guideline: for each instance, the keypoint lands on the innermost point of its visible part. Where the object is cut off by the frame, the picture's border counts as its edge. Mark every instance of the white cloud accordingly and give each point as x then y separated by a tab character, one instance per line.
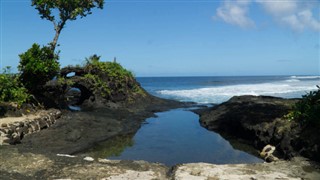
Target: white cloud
308	20
293	22
235	13
281	7
294	14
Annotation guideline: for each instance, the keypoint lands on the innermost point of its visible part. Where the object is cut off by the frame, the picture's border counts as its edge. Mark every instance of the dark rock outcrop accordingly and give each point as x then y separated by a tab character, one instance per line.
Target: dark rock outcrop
259	121
97	87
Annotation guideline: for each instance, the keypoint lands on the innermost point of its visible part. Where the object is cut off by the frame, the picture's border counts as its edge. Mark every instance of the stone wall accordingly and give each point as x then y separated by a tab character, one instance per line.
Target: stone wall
12	133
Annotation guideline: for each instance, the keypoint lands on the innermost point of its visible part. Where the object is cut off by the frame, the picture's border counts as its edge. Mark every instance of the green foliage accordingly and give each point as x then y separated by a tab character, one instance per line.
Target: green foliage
307	110
67	10
37	66
64	81
112	69
11	89
92	60
116	79
100	85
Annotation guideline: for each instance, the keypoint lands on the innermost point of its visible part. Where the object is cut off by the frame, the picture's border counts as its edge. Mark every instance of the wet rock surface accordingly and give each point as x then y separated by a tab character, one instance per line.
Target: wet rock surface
258	121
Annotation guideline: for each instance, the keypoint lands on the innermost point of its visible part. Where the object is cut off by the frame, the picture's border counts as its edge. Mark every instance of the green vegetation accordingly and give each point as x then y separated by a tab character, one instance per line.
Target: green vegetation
100	85
116	79
63	81
11	90
67	10
112	69
37	66
307	110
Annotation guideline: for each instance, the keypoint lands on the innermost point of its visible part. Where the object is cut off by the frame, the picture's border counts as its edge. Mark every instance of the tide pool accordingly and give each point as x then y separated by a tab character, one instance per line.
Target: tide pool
172	138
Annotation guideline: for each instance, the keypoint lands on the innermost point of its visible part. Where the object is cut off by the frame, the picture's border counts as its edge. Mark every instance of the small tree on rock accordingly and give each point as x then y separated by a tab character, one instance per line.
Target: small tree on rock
67	10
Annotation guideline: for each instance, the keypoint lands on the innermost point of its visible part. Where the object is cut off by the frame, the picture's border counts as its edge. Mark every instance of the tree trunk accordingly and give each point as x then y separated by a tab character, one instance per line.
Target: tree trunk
57	27
55	40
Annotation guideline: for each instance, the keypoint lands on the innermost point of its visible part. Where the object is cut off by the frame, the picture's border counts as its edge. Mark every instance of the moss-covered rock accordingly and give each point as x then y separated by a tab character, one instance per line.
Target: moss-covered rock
98	83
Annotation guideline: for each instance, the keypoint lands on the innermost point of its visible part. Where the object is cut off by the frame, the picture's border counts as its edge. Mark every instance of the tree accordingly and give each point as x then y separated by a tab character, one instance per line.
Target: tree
67	10
37	66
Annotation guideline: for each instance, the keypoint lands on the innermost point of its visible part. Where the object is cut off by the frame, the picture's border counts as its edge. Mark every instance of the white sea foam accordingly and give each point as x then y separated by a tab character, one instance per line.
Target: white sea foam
305	77
292	80
223	93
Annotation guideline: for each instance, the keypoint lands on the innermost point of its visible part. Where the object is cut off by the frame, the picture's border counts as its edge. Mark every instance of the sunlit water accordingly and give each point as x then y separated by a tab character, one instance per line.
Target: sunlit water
176	137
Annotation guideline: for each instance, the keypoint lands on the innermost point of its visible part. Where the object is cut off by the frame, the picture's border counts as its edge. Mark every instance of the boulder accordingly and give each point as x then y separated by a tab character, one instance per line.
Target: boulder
267	153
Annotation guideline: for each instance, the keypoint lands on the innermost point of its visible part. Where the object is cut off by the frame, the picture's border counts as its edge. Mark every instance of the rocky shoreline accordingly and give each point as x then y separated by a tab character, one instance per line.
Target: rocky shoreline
18	165
36	157
259	121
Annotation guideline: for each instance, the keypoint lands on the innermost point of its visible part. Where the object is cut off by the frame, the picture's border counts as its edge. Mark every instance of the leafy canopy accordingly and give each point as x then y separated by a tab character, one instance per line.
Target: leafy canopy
69	9
37	66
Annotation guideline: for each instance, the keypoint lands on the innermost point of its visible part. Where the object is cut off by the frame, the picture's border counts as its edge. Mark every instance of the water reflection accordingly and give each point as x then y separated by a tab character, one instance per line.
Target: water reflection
112	147
174	137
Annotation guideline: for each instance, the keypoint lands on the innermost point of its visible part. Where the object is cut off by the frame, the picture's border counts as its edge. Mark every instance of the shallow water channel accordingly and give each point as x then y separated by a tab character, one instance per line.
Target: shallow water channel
171	138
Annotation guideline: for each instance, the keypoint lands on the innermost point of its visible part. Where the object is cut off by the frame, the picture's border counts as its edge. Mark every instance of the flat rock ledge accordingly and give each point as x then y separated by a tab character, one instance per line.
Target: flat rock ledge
13	129
36	166
298	168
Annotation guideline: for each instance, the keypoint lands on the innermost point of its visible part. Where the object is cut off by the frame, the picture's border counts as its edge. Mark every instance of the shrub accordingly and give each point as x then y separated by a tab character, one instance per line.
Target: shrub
11	89
100	85
110	78
112	69
307	110
37	66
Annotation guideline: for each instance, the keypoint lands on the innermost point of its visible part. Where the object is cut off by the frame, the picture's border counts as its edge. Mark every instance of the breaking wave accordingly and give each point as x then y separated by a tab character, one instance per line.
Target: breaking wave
223	93
305	77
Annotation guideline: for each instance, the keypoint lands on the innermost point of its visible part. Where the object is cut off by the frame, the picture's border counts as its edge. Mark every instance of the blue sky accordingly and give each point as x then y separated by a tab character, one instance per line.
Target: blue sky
178	38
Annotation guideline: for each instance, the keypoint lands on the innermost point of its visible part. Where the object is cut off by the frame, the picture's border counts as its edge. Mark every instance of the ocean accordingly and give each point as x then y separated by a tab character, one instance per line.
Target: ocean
216	90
